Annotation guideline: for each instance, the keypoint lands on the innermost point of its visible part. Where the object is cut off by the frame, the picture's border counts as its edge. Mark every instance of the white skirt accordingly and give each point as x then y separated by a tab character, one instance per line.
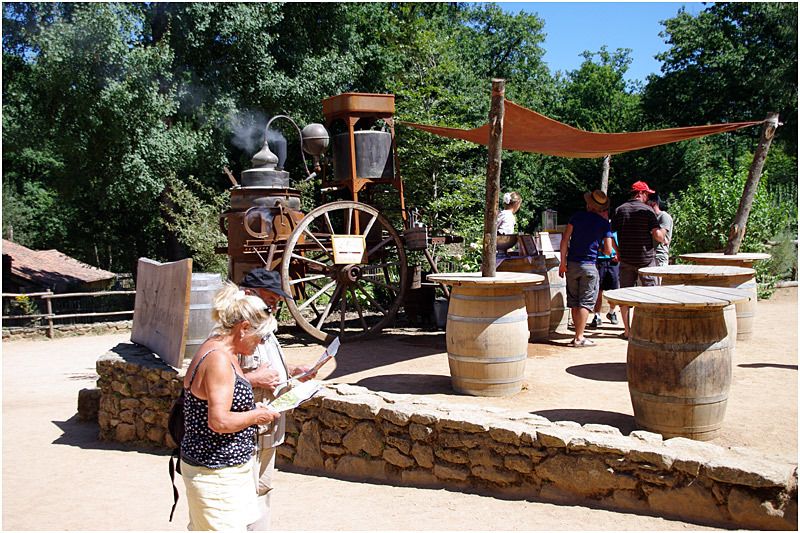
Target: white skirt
220	498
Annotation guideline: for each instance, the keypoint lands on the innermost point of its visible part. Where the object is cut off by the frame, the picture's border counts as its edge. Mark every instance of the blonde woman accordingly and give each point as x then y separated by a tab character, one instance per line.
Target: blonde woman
221	416
507	220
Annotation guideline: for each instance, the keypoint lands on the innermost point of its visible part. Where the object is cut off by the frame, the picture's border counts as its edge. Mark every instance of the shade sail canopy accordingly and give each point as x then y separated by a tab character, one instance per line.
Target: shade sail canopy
529	131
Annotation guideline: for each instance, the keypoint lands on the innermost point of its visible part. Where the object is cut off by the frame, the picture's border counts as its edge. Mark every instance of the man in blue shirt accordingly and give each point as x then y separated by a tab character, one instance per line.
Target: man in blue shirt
586	232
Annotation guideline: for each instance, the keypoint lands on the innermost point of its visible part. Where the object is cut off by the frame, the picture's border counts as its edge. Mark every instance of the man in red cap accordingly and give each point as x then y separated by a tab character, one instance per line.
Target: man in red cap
637	227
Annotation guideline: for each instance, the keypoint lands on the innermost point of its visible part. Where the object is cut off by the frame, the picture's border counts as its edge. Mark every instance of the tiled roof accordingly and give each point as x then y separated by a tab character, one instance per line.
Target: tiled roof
51	268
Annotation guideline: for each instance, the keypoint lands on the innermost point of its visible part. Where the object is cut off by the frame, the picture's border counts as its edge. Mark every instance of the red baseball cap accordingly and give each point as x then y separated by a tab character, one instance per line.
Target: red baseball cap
641	186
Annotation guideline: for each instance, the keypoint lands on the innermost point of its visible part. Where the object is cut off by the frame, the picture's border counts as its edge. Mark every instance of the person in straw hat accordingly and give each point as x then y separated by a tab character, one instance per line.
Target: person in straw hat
587	232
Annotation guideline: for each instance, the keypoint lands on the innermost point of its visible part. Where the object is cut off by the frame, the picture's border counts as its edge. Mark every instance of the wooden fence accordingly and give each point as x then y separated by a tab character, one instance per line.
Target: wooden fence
49	316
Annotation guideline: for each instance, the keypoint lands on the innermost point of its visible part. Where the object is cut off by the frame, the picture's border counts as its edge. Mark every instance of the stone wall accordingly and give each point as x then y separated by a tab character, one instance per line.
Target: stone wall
351	432
137	389
67	330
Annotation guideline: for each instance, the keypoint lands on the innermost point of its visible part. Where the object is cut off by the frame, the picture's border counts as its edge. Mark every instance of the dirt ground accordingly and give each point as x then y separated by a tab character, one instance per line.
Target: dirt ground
56	475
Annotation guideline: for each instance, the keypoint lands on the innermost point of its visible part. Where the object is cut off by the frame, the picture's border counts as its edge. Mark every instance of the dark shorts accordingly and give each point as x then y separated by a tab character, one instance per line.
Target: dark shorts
609	274
629	276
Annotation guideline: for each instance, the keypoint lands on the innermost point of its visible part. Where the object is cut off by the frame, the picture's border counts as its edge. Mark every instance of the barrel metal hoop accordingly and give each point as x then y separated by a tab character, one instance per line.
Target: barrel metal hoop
490	360
498	381
681	348
510	319
507	298
678	400
540	313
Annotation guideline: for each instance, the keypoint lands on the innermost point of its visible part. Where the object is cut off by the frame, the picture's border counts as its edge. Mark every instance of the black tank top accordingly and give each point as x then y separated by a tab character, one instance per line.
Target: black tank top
203	447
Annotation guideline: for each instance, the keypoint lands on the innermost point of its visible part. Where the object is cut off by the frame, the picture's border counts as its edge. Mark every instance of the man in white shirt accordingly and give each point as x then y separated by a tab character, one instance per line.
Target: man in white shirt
268	373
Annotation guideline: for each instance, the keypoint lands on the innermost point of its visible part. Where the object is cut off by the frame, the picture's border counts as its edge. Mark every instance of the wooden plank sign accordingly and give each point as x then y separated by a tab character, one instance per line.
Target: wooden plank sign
348	249
161	308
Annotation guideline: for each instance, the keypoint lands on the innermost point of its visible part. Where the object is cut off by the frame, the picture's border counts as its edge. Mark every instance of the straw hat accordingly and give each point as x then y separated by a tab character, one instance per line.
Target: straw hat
597	200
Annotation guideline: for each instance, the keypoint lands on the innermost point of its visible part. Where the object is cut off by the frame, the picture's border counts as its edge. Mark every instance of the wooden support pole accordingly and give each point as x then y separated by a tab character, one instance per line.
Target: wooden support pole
739	225
49	304
496	112
604	175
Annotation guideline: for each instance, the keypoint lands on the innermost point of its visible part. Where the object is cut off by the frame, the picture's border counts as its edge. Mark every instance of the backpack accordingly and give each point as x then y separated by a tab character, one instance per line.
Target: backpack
176	427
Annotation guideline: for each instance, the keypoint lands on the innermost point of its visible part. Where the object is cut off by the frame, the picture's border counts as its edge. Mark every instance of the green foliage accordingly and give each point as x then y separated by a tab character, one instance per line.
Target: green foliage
192	215
703	214
108	109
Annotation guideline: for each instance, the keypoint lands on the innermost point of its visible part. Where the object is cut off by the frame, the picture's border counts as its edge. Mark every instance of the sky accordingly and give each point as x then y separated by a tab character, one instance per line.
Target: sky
573	27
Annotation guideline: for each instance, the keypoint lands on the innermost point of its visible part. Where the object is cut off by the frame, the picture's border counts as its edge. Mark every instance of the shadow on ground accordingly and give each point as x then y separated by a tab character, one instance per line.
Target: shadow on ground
367	354
600	371
408	384
624	423
86	435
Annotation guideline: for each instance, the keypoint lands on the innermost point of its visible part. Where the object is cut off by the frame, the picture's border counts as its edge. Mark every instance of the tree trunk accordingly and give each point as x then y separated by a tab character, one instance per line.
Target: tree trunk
604	175
739	225
496	112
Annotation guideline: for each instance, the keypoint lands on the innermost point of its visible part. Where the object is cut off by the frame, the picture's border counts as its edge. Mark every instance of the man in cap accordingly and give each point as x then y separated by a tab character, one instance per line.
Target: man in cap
586	232
665	221
637	229
268	372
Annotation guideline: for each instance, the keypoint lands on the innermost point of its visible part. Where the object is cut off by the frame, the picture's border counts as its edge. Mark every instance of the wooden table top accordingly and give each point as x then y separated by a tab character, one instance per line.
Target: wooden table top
475	278
698	271
715	257
677	296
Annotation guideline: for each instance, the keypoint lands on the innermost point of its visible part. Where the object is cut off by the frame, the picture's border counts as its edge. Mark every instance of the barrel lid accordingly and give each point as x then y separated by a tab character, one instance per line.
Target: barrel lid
677	296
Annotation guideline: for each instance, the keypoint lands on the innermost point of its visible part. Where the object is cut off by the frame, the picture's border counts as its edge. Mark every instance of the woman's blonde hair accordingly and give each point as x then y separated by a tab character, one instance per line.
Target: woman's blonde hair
231	305
511	198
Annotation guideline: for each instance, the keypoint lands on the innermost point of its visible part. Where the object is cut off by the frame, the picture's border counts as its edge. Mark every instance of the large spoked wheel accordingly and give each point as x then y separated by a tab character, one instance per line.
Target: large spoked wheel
348	300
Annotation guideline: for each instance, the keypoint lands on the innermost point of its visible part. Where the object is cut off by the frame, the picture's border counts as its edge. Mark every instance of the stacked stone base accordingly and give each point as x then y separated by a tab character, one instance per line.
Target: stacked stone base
354	433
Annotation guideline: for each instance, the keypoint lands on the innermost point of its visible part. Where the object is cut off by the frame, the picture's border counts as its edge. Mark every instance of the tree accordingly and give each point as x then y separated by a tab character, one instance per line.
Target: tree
733	61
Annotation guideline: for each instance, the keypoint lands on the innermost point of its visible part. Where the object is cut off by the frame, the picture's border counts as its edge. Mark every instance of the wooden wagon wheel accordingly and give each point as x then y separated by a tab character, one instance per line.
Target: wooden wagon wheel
348	300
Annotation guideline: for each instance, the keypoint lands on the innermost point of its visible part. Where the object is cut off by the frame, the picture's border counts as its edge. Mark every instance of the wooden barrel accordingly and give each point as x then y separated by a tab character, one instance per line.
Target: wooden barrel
559	313
746	311
487	339
204	286
679	389
537	296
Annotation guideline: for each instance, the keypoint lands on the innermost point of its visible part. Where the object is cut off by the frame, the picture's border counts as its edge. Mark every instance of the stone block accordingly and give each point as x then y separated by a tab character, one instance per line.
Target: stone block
125	433
336	451
602	428
399	415
88	404
364	437
518	463
334	420
419	478
583	475
553	437
647	436
749	471
748	508
361	468
452	455
423	454
128	416
309	453
393	456
455	472
362	407
478	456
404	445
330	436
497	476
420	432
156	435
687	503
470	423
657	456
